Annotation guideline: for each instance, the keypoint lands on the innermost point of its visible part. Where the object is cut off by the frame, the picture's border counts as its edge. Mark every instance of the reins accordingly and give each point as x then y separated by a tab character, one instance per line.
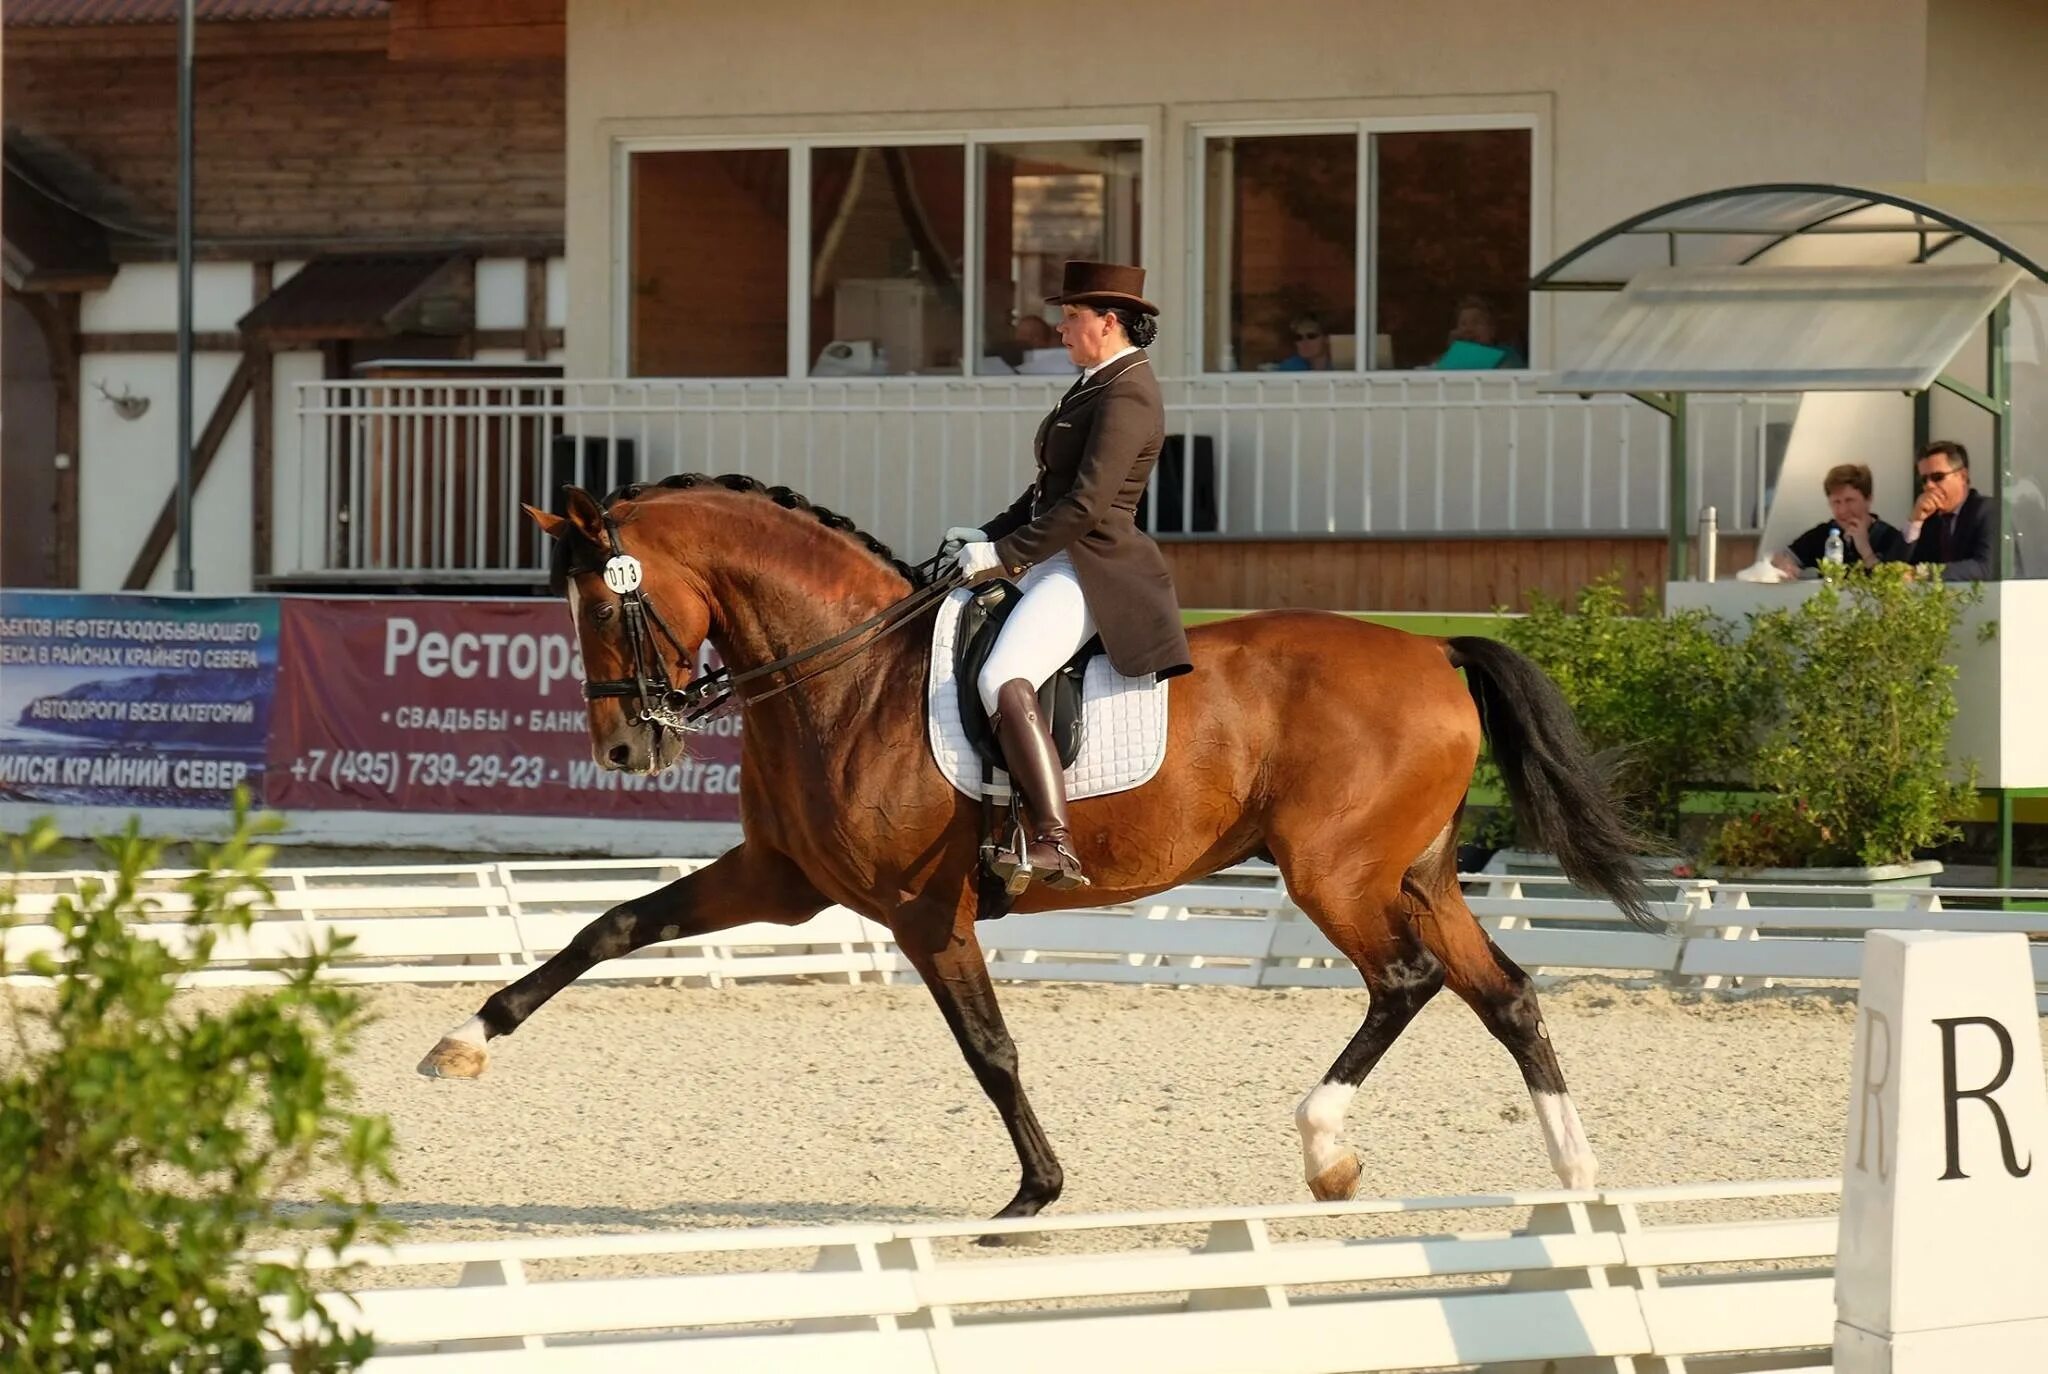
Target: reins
661	703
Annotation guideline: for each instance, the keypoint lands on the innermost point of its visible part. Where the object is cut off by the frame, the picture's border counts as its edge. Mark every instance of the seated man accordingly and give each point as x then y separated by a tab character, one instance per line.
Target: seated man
1866	540
1952	522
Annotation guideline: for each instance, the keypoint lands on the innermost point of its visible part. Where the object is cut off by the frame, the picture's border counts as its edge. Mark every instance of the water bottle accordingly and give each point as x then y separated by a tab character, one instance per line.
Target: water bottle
1831	552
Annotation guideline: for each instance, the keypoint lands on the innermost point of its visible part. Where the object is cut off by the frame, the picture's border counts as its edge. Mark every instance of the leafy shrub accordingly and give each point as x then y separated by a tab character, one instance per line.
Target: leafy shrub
144	1144
1862	701
1670	701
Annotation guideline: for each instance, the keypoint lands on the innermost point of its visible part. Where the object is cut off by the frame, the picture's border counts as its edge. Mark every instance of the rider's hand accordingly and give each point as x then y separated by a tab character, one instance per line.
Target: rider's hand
962	534
978	560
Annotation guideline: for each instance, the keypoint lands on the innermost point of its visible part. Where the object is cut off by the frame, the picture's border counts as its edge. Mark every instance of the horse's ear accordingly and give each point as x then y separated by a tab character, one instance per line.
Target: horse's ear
551	525
585	514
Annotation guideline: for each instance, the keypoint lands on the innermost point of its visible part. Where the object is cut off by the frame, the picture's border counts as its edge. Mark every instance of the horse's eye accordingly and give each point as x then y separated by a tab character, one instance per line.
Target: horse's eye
604	612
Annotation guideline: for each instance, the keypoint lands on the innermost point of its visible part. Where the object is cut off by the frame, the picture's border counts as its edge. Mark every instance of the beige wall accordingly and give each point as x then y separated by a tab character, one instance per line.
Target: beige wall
1637	101
1987	108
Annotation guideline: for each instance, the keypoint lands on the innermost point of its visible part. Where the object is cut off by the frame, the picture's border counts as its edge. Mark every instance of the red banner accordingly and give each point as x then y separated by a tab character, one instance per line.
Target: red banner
425	705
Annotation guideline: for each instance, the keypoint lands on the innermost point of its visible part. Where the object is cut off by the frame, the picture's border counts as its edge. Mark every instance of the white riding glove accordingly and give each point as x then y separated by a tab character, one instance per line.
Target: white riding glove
978	560
962	534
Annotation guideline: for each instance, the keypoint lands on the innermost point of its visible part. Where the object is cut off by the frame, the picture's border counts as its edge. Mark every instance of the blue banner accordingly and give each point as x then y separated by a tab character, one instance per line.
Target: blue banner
134	701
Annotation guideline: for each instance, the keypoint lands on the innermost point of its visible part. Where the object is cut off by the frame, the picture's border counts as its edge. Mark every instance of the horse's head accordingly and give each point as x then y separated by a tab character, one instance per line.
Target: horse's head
639	622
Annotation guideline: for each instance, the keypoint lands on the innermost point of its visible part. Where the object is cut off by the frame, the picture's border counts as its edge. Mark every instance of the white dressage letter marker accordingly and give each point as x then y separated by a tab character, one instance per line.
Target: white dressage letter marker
1942	1264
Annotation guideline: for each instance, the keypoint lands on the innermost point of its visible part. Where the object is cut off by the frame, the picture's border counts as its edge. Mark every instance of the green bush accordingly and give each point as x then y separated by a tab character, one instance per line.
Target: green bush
1671	701
144	1145
1862	699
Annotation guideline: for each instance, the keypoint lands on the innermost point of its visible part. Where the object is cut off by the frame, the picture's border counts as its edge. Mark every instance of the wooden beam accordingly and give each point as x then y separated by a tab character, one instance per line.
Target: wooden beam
228	249
57	317
160	534
478	30
263	419
519	338
536	309
254	38
157	341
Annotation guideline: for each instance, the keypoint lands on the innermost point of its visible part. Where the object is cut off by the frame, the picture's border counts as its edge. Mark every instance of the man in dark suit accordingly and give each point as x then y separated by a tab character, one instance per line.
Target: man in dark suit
1952	523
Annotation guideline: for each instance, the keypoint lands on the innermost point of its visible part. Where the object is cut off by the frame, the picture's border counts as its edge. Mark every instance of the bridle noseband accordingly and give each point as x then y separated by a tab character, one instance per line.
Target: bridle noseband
663	705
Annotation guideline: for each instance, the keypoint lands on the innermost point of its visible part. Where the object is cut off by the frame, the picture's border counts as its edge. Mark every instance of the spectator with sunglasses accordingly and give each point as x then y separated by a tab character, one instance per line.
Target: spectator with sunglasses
1311	347
1951	523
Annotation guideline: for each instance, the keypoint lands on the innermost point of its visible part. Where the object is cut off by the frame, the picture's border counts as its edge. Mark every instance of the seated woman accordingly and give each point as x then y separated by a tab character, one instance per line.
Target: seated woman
1072	544
1475	343
1311	347
1866	540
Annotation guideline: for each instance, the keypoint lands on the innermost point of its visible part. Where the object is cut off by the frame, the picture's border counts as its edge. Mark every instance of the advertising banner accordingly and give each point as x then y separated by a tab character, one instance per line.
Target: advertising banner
134	701
431	705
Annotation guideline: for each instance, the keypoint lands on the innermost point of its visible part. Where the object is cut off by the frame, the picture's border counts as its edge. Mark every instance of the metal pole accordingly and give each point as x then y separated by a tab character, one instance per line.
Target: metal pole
2005	837
1679	500
183	580
1999	367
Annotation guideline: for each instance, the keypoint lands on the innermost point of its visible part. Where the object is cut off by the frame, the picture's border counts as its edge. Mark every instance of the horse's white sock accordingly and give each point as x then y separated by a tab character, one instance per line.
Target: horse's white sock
470	1032
1571	1154
1320	1119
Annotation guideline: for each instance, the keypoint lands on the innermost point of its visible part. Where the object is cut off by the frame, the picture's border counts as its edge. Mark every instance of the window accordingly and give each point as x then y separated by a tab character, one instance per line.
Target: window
1441	217
1282	243
814	259
887	250
1043	203
709	290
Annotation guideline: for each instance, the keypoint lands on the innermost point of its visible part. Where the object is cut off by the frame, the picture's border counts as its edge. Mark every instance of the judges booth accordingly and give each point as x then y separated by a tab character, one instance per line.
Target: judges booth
1895	315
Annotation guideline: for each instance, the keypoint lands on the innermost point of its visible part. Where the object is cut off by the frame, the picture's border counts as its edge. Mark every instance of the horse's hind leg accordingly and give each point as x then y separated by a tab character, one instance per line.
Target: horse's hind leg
1399	989
1401	975
1505	999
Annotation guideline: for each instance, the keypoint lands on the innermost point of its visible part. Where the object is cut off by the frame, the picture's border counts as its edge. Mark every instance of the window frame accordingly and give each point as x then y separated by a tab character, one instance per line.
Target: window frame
798	147
1365	289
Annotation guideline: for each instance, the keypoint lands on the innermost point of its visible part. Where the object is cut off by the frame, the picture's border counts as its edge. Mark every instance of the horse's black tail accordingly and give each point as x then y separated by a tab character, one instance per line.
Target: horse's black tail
1552	780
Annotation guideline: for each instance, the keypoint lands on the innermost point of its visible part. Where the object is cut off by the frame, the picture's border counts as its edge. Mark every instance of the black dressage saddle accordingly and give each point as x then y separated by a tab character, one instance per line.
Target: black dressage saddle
1059	700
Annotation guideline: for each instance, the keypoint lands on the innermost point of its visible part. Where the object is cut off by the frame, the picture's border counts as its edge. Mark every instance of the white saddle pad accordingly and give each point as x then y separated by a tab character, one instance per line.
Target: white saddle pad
1123	723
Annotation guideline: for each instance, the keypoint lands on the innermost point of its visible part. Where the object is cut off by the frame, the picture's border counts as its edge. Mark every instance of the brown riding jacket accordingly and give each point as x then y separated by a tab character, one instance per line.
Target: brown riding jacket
1094	452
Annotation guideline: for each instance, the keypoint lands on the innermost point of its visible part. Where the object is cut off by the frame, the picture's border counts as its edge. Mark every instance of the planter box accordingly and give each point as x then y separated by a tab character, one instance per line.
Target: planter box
1897	878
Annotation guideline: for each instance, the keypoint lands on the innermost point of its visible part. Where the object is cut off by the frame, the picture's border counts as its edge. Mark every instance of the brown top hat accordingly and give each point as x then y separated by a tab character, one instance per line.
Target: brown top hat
1103	283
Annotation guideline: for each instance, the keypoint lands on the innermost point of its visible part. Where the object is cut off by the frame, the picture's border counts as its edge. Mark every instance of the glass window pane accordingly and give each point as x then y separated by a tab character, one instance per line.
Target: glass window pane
1280	263
1043	203
709	288
1451	247
887	246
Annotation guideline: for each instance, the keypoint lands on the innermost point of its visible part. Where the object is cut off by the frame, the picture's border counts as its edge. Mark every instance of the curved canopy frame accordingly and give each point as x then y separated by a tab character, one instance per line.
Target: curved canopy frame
1810	224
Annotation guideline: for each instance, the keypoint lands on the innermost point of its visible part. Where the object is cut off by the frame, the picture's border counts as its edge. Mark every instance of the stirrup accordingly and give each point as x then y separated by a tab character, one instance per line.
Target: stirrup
1011	864
1064	875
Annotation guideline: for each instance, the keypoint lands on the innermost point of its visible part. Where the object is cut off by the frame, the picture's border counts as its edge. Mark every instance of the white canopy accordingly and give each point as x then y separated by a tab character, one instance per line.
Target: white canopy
1756	328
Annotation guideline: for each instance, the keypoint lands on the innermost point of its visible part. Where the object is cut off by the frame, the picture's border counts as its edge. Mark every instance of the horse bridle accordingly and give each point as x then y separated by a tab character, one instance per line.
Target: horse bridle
663	705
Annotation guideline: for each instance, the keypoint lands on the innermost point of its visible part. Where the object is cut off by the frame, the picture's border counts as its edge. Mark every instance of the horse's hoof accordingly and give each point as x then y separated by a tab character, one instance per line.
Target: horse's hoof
455	1059
1338	1182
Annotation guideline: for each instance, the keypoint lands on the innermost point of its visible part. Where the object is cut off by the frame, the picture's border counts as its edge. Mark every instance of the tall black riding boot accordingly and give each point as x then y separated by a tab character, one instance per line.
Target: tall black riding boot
1035	772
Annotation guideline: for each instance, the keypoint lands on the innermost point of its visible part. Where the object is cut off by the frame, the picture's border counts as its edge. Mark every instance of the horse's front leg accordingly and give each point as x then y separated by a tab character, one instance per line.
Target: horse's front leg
957	975
743	885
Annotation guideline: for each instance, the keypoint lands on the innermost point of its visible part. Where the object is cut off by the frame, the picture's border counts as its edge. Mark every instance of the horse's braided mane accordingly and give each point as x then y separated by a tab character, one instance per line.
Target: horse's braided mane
564	559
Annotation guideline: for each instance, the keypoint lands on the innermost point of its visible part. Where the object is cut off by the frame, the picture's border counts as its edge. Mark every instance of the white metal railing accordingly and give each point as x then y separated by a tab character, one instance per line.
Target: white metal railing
492	922
425	477
1714	1276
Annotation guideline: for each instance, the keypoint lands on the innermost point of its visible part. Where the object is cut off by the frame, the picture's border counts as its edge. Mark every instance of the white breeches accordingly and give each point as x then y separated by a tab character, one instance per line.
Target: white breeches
1049	625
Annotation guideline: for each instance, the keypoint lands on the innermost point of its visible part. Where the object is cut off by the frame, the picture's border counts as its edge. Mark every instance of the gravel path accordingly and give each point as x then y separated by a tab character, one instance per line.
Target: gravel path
626	1108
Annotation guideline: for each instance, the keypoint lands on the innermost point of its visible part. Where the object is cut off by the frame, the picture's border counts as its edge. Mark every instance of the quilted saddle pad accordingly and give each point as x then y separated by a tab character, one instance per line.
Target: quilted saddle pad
1123	723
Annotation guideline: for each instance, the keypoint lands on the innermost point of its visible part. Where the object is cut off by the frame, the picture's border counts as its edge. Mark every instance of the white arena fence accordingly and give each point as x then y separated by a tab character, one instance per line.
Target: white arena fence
416	477
491	922
1719	1277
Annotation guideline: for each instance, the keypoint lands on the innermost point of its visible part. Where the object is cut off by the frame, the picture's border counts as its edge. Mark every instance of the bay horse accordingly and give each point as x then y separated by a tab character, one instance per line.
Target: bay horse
1338	749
